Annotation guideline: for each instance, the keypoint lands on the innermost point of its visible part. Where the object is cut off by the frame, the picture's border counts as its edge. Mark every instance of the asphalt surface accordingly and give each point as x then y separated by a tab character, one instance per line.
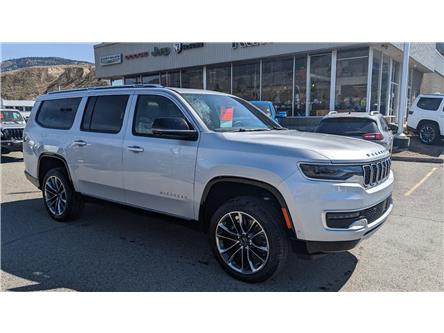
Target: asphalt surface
114	248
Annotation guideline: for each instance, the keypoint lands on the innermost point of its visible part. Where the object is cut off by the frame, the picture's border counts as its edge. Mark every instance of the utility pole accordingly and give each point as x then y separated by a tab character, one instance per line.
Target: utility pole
401	140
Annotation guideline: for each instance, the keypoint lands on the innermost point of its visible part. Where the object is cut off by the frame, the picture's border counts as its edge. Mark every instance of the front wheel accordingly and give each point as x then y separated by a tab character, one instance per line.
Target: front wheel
428	133
248	238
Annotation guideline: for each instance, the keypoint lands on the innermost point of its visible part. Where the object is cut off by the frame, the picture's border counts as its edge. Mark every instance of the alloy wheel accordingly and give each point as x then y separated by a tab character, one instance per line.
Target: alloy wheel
427	133
242	242
55	195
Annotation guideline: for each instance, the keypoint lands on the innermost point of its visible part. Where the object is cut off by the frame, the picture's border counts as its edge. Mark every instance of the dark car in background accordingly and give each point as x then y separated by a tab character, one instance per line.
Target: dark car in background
367	126
12	125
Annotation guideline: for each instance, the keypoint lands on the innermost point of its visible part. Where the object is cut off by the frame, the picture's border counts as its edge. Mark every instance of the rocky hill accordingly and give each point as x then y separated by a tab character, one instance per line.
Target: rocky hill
12	64
29	82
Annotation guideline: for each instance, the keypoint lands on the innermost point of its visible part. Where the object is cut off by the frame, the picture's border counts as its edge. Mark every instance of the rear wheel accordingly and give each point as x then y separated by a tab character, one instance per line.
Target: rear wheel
60	199
248	238
428	133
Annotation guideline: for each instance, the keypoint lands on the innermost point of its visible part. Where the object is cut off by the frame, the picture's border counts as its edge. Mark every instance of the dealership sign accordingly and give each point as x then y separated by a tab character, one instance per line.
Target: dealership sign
243	45
136	55
111	59
179	47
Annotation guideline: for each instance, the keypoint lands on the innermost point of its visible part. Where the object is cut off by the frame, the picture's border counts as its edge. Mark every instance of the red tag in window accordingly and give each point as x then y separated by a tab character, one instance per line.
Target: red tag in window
226	114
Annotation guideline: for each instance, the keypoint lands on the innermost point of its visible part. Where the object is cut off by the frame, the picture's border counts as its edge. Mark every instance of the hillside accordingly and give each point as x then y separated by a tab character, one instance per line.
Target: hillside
28	83
13	64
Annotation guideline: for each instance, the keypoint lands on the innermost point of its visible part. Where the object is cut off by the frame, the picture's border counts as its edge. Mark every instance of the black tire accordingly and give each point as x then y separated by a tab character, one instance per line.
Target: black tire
267	214
74	201
428	133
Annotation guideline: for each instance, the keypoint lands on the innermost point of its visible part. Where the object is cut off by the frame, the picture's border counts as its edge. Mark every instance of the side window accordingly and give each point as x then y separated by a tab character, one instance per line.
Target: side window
104	113
58	113
150	107
429	103
384	124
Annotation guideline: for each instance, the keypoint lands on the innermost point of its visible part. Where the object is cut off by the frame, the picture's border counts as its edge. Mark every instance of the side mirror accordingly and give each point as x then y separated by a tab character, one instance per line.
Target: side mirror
173	128
393	128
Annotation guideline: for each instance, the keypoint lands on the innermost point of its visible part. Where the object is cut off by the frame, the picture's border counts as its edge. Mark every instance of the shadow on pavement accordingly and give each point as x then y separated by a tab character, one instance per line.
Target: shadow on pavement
11	159
111	248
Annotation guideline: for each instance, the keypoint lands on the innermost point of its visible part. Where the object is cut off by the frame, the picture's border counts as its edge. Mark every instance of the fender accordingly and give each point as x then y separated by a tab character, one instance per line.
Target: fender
56	156
275	192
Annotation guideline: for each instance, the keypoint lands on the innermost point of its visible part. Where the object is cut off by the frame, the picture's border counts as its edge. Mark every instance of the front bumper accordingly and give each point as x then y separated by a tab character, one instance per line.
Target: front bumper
309	201
12	145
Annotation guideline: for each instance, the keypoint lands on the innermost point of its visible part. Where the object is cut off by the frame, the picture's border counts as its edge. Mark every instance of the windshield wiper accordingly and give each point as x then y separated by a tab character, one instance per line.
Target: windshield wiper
242	129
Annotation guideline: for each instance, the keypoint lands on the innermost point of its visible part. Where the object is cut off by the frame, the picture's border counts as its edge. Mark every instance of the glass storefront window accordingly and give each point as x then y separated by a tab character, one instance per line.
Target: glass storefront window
300	86
170	79
117	82
320	71
351	80
277	83
246	81
394	91
219	78
151	79
192	78
132	80
375	103
385	81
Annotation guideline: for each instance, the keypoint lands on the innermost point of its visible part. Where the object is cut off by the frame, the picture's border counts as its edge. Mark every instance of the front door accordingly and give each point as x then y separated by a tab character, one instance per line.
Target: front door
159	172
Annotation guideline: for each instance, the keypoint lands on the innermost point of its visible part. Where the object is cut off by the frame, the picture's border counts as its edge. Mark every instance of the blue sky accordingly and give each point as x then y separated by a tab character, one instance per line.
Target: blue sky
74	51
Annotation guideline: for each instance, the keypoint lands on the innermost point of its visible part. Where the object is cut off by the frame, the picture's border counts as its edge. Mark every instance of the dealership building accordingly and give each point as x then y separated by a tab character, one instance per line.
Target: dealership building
299	78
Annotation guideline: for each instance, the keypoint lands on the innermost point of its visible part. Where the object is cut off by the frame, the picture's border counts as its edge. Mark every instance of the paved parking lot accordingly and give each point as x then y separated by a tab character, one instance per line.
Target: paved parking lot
113	248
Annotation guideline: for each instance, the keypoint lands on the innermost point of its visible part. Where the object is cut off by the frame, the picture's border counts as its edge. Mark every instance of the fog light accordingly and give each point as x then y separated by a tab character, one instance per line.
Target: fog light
343	215
359	224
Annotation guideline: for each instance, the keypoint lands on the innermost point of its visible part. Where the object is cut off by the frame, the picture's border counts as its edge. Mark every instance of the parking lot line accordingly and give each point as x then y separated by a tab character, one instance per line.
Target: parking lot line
418	184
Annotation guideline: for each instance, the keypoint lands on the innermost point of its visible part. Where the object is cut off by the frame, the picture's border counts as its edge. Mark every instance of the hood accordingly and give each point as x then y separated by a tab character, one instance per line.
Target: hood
12	124
337	149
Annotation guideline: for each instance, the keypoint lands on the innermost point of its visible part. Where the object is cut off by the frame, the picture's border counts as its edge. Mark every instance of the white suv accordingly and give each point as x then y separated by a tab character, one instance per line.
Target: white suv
426	117
212	158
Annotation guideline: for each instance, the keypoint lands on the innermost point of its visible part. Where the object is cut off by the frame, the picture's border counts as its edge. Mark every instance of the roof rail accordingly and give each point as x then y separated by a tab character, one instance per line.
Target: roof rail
127	86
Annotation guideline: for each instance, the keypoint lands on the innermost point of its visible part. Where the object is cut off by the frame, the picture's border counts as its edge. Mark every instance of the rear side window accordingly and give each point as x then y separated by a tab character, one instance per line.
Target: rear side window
58	113
429	103
348	126
104	113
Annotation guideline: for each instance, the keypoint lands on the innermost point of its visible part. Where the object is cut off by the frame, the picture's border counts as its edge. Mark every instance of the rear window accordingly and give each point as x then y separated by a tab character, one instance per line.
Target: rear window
429	103
348	126
58	113
104	113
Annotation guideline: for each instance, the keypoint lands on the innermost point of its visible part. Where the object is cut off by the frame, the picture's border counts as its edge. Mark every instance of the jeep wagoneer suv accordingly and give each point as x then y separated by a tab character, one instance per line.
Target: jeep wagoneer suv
208	157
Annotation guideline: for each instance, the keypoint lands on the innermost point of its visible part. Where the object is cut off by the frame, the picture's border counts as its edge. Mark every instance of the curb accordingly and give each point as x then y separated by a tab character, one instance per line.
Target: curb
418	159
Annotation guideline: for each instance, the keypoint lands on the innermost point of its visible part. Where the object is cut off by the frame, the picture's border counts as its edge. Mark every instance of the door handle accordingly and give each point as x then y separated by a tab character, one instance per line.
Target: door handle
135	149
79	143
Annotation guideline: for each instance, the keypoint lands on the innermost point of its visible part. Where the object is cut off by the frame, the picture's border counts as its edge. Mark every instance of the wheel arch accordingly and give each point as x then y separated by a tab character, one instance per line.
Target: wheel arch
244	185
48	161
428	121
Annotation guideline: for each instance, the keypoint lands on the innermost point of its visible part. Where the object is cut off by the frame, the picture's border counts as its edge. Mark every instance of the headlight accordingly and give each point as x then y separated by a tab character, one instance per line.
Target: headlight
352	173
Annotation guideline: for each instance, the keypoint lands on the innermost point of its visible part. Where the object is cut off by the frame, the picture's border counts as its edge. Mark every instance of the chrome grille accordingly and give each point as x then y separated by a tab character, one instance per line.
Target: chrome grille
376	172
12	134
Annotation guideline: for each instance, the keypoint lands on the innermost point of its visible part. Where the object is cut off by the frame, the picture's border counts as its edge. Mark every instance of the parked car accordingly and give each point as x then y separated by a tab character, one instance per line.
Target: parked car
257	188
368	126
12	125
426	117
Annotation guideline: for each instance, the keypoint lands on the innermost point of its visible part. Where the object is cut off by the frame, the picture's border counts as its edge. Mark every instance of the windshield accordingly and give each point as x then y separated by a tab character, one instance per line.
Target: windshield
348	126
264	107
229	114
10	116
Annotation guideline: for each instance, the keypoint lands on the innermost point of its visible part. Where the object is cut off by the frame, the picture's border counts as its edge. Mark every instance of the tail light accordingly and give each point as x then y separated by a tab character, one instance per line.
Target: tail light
372	136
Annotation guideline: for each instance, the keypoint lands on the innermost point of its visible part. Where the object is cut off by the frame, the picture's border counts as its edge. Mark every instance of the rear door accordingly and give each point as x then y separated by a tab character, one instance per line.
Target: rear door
158	171
96	149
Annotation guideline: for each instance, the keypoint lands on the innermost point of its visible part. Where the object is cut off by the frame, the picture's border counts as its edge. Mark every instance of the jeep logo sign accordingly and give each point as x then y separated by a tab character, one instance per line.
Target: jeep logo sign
111	59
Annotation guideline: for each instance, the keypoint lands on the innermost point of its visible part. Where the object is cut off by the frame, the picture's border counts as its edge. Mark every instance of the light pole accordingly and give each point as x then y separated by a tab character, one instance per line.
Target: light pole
401	140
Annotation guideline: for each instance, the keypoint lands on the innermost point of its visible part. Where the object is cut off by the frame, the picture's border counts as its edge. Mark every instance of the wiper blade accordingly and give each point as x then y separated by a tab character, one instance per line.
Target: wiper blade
242	129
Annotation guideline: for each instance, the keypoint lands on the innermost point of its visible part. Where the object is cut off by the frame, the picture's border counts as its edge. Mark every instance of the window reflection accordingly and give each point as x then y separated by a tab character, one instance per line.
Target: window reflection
300	86
192	78
351	80
151	79
320	71
219	78
277	83
246	81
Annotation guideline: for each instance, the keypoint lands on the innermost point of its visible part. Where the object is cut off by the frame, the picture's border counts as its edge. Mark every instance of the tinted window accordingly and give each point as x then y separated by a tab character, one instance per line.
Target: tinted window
348	126
58	113
384	124
150	107
104	113
429	103
10	116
